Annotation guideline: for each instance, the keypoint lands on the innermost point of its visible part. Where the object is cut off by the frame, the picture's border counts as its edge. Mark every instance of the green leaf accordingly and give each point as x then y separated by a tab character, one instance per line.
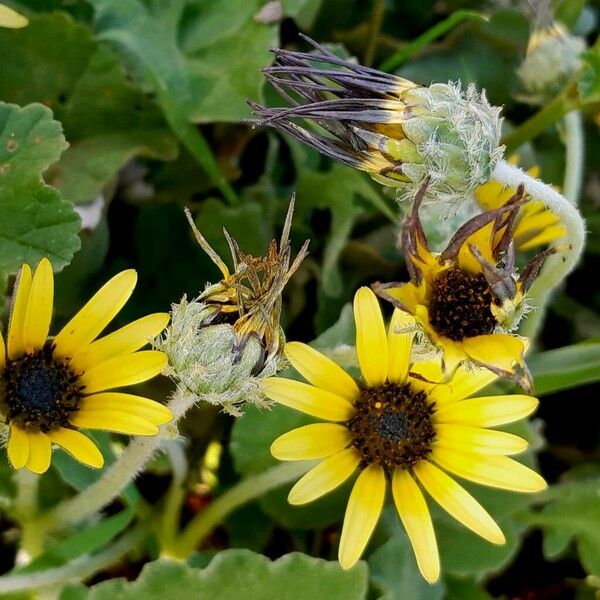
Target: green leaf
438	30
207	54
393	571
574	515
35	221
235	574
566	367
461	589
85	541
106	119
345	192
248	225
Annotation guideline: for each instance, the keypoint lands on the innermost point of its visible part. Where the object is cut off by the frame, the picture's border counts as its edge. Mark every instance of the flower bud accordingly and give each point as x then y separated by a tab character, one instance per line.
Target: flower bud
221	344
395	130
552	59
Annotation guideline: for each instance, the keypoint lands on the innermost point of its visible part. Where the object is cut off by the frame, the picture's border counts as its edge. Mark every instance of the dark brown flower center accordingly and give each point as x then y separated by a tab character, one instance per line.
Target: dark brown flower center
40	392
392	426
459	306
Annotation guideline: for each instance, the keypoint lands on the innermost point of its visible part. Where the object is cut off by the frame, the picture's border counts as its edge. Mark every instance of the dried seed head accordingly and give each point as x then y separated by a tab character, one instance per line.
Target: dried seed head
223	342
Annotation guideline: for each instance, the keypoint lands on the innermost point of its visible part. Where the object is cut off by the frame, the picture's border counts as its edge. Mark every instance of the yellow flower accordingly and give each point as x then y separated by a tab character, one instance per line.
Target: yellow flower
50	387
468	298
399	426
534	226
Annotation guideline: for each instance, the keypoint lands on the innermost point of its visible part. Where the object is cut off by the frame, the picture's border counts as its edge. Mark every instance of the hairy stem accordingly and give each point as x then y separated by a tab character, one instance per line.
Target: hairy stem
574	145
568	249
132	460
245	491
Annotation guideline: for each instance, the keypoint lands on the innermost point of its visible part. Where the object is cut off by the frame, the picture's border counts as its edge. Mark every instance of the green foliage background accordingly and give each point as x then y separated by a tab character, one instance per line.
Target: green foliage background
133	109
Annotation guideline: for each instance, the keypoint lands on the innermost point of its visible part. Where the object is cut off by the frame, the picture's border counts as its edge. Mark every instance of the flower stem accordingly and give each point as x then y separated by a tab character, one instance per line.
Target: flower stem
568	249
26	507
540	121
574	145
245	491
78	569
118	475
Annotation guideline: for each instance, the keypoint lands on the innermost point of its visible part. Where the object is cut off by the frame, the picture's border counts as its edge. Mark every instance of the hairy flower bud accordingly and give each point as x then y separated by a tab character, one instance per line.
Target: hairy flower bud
395	130
221	344
552	59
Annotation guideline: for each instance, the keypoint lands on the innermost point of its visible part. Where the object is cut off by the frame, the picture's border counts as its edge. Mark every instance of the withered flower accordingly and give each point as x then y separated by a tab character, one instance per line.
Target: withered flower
469	298
397	131
223	342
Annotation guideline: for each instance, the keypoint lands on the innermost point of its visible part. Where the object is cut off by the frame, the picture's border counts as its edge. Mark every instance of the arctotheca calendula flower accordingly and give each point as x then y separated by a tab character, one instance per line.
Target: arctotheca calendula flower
51	387
395	130
397	426
468	298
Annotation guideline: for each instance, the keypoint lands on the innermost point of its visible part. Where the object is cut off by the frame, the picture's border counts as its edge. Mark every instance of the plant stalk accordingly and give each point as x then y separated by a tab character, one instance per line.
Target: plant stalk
568	249
243	492
573	139
131	461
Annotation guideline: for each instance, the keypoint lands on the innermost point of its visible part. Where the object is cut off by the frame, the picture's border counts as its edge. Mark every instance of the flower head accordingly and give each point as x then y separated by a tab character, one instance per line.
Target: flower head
534	225
51	387
468	299
398	425
397	131
553	57
220	344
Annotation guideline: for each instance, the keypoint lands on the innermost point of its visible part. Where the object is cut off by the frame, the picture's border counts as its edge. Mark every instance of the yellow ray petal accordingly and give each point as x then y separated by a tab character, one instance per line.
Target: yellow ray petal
96	314
126	340
138	406
416	519
548	235
494	471
326	476
11	18
500	350
487	411
111	420
17	314
307	399
482	240
478	439
362	513
36	324
311	441
465	382
371	338
18	447
399	345
2	352
78	445
321	371
406	296
457	502
40	452
124	370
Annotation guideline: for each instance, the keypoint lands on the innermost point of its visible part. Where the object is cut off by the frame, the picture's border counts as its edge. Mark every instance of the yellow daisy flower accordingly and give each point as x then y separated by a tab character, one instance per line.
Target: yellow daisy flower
534	224
468	298
50	387
399	426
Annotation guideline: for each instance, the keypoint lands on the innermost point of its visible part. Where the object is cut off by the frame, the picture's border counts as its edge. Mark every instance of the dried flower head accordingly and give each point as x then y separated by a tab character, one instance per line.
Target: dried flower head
397	131
223	342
